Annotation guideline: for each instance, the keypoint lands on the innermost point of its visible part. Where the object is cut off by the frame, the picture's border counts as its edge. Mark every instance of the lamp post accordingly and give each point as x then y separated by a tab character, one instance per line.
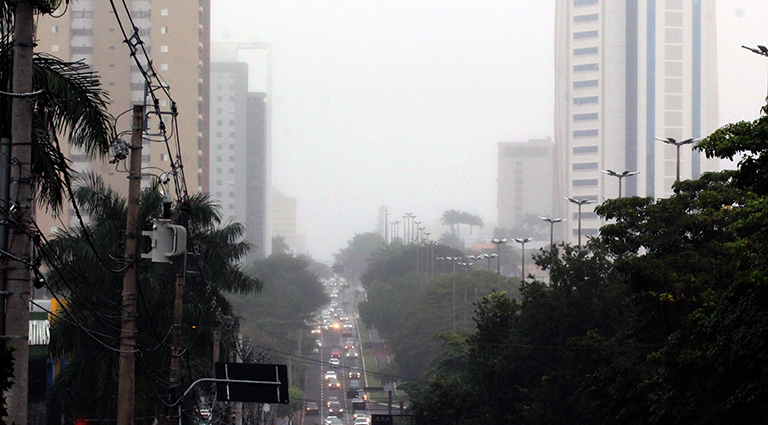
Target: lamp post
579	202
522	242
671	141
488	257
552	222
761	50
395	230
454	261
416	228
466	266
623	174
498	243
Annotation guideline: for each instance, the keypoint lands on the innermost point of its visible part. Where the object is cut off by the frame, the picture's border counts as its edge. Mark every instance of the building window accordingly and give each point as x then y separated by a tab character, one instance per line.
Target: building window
586	67
585	117
163	30
588	100
586	51
163	66
584	166
584	149
55	29
163	12
585	133
585	183
584	84
584	2
164	48
585	34
592	17
585	215
55	48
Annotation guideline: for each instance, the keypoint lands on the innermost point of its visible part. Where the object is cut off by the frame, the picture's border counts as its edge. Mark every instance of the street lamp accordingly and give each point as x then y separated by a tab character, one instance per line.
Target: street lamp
671	141
761	50
552	222
522	242
395	230
621	176
498	243
579	202
488	257
466	266
453	260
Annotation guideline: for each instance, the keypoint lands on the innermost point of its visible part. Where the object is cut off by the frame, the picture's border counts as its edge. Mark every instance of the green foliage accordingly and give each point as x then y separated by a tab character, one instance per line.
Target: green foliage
279	246
661	319
6	378
353	260
86	332
295	404
290	295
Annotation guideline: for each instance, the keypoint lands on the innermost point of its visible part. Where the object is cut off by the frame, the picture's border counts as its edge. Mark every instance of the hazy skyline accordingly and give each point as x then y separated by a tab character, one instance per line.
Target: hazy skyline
402	103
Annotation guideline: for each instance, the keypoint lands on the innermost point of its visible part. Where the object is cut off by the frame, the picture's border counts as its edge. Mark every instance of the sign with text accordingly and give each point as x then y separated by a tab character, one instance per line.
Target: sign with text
256	383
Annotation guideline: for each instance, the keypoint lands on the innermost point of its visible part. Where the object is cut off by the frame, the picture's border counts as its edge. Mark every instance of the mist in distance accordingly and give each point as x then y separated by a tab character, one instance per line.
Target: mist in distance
402	103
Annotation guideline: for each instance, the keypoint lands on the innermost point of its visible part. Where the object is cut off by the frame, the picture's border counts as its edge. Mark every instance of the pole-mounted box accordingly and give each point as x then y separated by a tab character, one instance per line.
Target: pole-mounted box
168	240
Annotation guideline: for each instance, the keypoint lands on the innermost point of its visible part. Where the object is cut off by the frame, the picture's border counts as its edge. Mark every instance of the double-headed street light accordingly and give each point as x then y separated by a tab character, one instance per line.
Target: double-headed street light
498	243
671	141
488	257
579	202
453	260
621	176
552	222
522	242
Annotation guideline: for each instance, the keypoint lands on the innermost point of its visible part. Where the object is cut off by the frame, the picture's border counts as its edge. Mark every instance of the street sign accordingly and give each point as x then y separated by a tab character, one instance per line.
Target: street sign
257	383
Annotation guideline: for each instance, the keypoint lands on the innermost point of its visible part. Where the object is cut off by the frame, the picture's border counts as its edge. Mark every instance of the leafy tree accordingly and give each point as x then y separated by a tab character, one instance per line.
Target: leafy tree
6	375
87	332
290	295
354	259
279	246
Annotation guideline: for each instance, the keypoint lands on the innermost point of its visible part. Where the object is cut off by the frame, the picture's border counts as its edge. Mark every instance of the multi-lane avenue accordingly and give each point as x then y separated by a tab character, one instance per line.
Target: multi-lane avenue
335	379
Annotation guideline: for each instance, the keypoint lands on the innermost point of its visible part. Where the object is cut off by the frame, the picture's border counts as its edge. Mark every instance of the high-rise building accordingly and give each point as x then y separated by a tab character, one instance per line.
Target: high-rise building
627	73
527	181
239	150
176	37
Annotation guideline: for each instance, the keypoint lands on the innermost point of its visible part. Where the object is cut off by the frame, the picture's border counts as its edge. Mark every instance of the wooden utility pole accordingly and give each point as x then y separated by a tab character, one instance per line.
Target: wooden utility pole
20	209
126	376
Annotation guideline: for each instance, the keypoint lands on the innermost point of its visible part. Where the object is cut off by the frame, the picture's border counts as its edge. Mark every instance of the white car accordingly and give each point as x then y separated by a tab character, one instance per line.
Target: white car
330	374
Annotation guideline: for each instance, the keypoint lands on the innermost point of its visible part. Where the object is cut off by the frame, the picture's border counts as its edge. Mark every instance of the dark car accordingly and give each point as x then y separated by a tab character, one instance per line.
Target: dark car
335	408
312	408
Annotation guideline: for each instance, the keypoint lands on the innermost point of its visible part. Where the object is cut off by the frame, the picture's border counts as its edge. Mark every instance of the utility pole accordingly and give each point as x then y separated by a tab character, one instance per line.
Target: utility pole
126	376
175	373
18	277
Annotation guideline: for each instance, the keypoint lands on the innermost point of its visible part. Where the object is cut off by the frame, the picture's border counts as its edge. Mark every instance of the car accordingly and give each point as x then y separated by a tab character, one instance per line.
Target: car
330	420
334	362
316	330
335	408
361	421
334	383
318	343
312	408
349	344
336	353
354	384
331	374
352	354
332	399
354	374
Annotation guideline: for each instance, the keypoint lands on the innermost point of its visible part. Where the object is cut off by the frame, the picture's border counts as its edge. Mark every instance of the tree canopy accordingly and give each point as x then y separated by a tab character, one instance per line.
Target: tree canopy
662	318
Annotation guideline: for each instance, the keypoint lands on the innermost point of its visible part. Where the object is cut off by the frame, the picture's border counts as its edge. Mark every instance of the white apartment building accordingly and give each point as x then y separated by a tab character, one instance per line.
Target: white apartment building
626	73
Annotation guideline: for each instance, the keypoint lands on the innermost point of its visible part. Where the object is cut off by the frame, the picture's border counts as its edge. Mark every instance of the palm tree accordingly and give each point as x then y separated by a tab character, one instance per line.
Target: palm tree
87	331
451	218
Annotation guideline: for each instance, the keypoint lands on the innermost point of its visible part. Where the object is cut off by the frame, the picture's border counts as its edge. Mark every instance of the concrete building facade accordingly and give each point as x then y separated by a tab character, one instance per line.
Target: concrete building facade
239	160
176	37
627	73
526	181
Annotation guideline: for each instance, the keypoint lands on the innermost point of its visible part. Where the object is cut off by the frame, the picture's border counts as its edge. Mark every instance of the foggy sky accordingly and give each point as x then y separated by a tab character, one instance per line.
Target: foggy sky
402	103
